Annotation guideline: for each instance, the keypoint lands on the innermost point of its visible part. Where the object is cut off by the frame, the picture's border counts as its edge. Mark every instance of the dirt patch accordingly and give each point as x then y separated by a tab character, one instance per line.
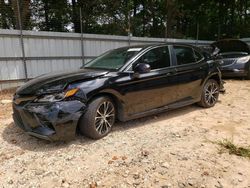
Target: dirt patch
5	107
7	94
172	149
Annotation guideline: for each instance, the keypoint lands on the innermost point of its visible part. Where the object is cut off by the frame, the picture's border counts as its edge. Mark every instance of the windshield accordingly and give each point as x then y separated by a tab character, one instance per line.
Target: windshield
113	60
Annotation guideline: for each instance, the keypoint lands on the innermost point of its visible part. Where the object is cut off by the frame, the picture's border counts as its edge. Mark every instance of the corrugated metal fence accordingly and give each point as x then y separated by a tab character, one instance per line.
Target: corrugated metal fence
43	52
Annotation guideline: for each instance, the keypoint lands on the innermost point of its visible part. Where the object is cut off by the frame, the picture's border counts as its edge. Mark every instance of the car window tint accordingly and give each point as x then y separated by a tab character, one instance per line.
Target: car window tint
197	56
157	58
184	55
113	59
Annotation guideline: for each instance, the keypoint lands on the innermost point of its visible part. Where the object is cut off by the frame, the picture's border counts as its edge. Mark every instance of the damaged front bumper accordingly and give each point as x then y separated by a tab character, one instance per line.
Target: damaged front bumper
49	121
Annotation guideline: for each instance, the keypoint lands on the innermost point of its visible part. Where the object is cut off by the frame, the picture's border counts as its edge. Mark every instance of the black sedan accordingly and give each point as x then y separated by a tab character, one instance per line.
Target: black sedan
236	58
122	84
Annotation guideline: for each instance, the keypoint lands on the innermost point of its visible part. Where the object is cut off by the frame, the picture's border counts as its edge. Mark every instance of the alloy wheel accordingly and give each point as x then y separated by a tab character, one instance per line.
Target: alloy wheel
211	93
105	117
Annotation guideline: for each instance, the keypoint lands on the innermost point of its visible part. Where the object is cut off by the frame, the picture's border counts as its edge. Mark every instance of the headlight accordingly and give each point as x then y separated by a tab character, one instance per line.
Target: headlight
243	59
58	96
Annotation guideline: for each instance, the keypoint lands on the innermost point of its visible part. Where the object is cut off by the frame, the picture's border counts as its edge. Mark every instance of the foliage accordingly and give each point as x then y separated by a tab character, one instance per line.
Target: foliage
233	149
205	19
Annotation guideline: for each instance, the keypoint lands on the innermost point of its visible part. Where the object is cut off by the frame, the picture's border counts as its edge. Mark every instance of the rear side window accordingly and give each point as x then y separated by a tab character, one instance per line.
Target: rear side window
184	55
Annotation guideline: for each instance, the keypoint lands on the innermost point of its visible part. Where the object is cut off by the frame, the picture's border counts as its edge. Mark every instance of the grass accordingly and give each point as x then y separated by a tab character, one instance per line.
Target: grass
234	149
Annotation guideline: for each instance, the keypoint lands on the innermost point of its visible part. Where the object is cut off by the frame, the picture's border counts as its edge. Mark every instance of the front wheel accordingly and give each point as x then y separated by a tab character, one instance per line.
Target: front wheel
99	118
210	94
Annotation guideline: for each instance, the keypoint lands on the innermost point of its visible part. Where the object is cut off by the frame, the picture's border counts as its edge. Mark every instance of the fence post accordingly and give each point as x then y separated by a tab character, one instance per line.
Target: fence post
129	39
82	42
21	40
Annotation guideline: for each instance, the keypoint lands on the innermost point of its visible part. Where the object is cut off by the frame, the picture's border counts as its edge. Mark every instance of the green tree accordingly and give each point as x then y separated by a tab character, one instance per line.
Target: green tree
205	19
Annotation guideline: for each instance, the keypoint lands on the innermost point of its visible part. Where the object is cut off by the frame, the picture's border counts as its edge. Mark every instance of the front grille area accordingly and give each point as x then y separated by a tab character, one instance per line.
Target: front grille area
228	62
44	122
28	120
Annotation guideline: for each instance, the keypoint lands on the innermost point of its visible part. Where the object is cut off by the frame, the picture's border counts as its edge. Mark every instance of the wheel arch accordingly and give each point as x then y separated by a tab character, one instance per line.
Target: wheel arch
215	76
115	99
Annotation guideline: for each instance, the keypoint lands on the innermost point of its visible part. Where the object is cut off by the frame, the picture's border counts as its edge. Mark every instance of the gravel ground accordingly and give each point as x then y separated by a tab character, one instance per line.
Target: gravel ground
172	149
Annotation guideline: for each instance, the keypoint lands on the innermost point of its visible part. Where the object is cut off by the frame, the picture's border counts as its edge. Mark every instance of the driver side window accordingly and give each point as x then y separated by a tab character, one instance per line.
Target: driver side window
157	58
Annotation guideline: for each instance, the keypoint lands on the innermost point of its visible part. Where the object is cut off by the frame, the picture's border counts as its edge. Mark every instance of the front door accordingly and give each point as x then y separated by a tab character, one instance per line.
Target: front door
149	90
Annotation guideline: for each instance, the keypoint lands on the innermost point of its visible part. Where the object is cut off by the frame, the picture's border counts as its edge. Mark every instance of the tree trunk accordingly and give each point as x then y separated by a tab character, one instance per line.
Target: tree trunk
144	19
170	16
134	17
76	19
16	14
24	8
46	15
246	11
219	19
232	19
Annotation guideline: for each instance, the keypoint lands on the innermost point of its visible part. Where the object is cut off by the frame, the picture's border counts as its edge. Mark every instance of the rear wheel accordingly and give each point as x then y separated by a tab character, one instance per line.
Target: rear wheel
210	94
99	118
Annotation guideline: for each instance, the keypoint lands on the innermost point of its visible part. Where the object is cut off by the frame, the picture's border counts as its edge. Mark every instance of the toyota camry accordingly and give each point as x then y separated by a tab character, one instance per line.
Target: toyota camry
120	85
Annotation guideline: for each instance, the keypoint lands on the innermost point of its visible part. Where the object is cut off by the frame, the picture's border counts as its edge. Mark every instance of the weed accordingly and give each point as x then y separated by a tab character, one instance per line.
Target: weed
234	149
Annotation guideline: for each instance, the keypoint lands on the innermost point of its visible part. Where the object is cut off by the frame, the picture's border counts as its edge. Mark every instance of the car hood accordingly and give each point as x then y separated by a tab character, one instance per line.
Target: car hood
231	45
56	82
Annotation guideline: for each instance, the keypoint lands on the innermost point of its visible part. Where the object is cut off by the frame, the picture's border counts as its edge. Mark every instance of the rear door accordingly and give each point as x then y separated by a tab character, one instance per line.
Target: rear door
191	69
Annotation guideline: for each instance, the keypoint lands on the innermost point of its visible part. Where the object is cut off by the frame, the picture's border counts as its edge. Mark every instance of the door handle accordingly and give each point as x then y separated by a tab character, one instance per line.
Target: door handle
169	73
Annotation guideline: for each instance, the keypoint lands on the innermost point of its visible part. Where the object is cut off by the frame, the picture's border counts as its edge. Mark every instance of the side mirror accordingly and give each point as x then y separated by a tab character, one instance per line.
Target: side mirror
141	68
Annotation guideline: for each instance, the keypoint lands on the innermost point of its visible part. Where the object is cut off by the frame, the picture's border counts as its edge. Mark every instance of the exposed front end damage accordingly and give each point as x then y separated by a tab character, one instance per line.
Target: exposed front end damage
50	106
50	121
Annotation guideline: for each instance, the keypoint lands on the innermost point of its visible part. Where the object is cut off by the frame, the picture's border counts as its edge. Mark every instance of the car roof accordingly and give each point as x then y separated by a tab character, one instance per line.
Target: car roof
145	46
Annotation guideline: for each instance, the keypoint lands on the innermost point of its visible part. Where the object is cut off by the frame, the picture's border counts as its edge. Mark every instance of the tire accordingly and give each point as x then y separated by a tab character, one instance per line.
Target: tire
210	94
99	118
